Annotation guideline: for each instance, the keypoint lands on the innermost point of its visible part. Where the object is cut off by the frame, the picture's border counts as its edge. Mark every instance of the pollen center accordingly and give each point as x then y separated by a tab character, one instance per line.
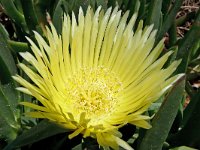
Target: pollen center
94	91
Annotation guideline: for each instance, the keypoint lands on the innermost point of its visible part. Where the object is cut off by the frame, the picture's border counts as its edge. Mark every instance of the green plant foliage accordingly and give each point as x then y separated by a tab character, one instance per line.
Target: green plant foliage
183	148
191	125
9	114
186	44
7	63
163	119
41	131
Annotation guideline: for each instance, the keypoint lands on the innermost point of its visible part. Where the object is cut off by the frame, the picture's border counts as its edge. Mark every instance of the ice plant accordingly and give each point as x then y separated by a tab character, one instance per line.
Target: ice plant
97	75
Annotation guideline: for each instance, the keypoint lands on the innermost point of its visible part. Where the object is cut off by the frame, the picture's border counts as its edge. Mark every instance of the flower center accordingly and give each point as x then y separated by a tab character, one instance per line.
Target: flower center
94	91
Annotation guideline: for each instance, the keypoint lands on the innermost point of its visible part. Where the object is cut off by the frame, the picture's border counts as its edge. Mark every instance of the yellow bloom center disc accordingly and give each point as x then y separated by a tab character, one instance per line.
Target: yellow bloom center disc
94	91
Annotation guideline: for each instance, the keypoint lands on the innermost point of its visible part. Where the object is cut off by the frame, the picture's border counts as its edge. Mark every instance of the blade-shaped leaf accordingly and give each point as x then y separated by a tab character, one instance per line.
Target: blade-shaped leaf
12	98
168	20
13	13
18	46
161	124
7	63
8	112
102	3
58	15
154	13
166	6
189	135
6	131
183	148
133	6
186	45
41	131
30	15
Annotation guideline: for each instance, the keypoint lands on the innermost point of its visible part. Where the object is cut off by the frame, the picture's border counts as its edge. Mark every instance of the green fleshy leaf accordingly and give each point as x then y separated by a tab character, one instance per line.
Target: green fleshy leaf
133	6
172	35
41	131
189	135
7	63
6	131
18	46
168	19
58	15
154	13
14	13
12	98
102	3
8	112
30	16
162	122
183	148
186	45
165	6
78	147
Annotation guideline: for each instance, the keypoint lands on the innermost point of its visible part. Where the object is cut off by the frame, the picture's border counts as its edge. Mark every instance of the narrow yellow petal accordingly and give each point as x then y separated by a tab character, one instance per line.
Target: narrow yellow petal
87	37
100	37
75	133
123	144
117	40
34	106
109	34
94	33
65	43
141	123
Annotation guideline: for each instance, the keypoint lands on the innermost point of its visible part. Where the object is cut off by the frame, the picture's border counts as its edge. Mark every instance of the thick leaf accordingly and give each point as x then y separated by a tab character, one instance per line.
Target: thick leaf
183	148
168	20
30	15
111	3
8	112
18	5
172	35
186	45
165	6
142	10
6	131
78	147
58	15
12	97
8	95
56	142
102	3
196	50
13	13
162	122
41	131
7	63
133	6
18	46
154	13
189	135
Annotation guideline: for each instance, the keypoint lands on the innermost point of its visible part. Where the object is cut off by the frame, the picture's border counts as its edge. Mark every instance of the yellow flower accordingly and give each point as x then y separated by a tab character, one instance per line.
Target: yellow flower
97	76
